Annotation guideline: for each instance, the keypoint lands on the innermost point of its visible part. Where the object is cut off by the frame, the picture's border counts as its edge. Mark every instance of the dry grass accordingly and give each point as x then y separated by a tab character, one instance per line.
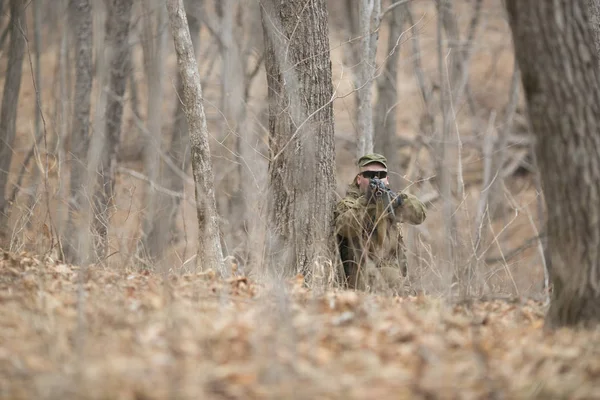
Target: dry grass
146	336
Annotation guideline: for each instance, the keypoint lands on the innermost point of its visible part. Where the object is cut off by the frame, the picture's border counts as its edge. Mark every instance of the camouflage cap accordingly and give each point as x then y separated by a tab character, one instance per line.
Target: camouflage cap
372	158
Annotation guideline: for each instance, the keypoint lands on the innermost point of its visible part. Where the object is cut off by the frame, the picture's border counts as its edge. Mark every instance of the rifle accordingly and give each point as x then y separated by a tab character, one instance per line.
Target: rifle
379	191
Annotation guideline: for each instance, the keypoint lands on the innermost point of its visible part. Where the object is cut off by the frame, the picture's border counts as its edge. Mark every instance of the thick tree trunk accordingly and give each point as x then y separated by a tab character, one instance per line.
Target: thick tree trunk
557	57
210	254
386	141
81	17
10	101
302	158
117	32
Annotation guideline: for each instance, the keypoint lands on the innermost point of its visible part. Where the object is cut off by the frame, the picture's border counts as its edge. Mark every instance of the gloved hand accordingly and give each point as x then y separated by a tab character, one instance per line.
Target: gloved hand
398	199
393	201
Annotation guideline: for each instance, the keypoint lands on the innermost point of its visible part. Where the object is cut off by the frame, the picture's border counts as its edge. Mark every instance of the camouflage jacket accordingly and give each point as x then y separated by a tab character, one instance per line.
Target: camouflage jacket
370	239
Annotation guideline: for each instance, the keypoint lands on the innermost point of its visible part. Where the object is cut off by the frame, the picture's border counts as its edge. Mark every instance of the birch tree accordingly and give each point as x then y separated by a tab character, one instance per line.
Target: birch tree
209	254
302	157
555	49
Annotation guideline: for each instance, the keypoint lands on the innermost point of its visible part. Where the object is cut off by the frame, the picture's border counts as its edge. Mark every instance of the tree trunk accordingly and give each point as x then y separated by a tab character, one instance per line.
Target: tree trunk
35	173
302	157
369	16
154	238
594	9
450	25
62	115
444	157
10	101
178	148
81	17
117	31
558	60
233	76
386	141
210	254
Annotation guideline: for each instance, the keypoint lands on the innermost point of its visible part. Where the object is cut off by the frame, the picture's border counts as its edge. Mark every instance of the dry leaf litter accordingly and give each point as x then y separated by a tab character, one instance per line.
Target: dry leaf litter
142	335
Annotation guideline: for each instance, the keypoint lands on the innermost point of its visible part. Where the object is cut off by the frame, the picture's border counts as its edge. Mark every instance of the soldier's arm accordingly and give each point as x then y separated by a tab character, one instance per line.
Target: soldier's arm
412	210
349	216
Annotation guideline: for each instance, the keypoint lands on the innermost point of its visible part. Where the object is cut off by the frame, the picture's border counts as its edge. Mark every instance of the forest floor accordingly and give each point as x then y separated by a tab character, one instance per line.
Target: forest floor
145	335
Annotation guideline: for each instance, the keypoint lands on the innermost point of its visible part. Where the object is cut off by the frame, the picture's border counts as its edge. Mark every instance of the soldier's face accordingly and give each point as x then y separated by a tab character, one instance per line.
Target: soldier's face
363	181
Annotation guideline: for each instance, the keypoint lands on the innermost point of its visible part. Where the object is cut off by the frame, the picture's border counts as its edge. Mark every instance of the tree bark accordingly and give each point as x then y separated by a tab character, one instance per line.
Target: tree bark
35	174
302	157
210	254
558	60
594	10
178	147
153	238
444	157
117	32
233	78
386	141
369	17
10	101
450	25
81	17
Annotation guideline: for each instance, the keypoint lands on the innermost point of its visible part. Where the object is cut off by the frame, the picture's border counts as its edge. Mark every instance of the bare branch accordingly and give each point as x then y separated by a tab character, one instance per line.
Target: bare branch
153	185
391	8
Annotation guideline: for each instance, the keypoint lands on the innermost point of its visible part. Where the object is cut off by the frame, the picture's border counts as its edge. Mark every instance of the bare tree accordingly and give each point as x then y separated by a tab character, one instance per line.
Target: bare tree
444	150
387	94
302	157
234	34
37	39
210	254
230	36
179	142
369	17
153	240
555	49
81	17
10	97
117	31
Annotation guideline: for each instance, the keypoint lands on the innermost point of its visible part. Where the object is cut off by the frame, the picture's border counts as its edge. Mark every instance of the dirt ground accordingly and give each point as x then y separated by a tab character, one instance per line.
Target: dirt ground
129	335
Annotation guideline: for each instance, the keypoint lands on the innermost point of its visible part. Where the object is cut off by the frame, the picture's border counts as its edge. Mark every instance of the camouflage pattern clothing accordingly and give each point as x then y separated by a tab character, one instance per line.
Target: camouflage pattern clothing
371	242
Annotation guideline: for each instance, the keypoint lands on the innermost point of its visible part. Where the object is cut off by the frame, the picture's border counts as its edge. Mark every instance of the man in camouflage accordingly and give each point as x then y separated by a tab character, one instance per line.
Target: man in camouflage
369	232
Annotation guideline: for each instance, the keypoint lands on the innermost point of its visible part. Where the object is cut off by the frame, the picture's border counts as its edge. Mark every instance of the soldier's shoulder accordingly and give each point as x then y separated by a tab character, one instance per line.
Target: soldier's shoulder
351	199
347	201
